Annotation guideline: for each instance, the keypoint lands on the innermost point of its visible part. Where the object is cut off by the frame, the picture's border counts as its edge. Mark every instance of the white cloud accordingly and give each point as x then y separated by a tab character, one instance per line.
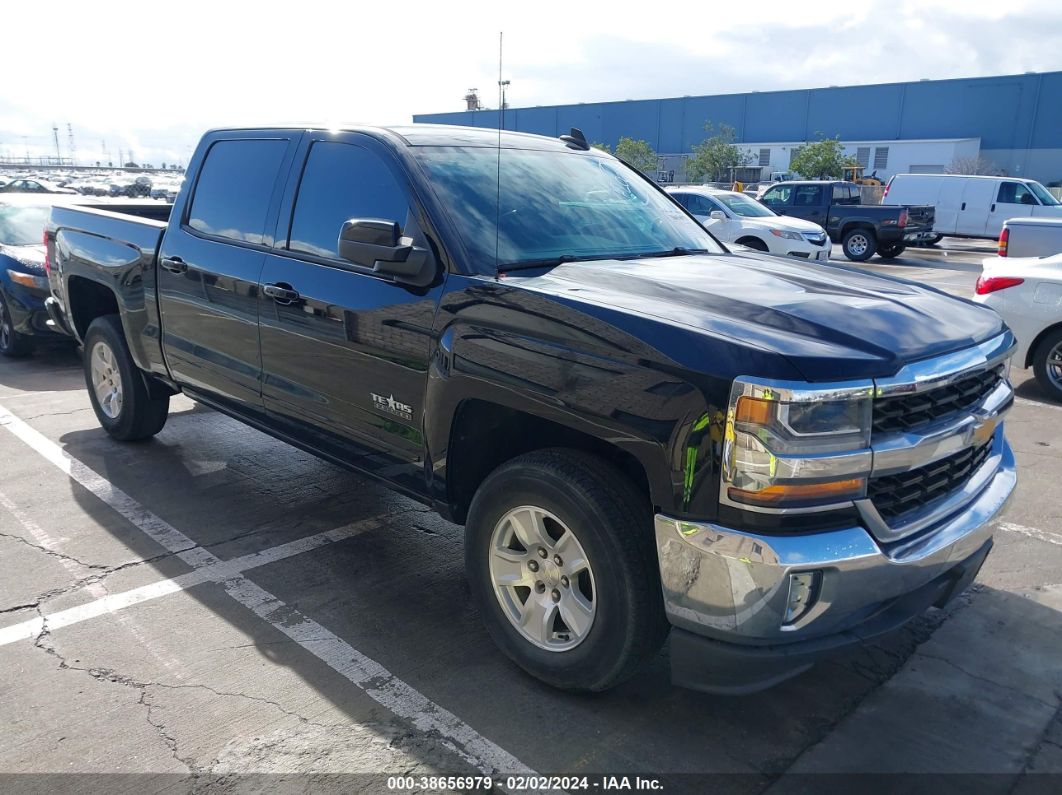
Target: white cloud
150	77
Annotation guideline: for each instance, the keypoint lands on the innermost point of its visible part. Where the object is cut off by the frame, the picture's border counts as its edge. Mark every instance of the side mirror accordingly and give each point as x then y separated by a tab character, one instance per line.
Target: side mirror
379	244
717	215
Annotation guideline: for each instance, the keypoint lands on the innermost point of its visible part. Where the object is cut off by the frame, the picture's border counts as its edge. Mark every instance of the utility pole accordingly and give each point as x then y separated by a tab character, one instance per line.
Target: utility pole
55	134
70	144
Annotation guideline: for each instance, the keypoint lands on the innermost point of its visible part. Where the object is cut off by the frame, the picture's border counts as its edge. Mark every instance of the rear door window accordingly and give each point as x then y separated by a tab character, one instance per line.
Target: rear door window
340	182
235	187
808	196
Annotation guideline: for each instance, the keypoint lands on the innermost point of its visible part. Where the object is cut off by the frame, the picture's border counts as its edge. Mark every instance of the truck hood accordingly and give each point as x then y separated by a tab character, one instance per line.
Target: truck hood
830	322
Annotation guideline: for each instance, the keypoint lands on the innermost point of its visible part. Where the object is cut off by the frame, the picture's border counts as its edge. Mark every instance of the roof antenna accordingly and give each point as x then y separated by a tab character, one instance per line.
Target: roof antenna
575	140
501	123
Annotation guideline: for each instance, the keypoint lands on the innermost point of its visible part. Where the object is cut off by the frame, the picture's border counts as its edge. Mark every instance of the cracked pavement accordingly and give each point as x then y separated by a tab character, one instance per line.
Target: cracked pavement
194	691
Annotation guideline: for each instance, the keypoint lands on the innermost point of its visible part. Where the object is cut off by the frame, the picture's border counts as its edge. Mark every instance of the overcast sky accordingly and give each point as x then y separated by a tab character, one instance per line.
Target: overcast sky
150	77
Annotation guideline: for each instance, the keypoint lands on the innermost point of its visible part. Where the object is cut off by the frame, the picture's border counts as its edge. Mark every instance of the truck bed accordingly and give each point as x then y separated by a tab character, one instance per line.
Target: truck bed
115	248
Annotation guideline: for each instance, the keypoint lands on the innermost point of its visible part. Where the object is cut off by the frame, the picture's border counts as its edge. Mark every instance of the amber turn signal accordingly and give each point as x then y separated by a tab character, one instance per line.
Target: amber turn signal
801	492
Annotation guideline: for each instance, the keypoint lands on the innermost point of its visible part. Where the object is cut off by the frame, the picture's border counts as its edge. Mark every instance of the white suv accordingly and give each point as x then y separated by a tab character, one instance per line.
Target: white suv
735	218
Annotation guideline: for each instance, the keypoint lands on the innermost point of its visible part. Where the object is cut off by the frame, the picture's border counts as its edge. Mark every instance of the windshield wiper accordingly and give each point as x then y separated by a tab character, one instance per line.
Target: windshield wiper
545	262
678	251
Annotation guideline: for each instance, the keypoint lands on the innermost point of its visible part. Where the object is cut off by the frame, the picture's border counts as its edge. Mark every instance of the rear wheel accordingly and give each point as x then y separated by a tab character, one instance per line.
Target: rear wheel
890	251
859	245
561	562
119	395
12	344
1047	364
932	241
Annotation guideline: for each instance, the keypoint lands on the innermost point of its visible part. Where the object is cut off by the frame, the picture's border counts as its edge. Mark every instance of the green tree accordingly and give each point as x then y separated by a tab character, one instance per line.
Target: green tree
821	159
715	156
639	155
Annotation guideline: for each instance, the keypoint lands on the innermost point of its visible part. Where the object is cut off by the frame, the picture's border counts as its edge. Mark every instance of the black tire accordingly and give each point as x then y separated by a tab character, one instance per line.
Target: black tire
12	344
753	243
932	241
599	505
1047	364
139	416
891	251
859	244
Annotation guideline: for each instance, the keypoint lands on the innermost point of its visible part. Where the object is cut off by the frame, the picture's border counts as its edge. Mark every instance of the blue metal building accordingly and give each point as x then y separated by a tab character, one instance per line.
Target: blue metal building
1016	118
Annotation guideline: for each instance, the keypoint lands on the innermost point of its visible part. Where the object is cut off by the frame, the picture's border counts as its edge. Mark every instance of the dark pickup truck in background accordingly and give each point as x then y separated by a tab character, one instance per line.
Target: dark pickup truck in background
861	229
641	431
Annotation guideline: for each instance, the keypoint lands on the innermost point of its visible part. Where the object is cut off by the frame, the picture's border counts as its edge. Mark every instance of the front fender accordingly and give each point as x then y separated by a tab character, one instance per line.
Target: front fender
525	352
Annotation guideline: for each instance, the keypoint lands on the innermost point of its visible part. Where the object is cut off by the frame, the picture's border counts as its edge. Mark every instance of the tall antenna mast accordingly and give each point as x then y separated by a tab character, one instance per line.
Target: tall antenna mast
501	123
55	134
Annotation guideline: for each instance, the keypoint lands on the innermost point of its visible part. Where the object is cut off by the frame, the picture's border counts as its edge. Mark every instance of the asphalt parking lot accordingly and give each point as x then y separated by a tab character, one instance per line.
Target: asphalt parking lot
213	604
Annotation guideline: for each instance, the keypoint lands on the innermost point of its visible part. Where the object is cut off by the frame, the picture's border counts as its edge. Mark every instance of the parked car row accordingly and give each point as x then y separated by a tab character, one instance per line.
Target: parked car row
157	185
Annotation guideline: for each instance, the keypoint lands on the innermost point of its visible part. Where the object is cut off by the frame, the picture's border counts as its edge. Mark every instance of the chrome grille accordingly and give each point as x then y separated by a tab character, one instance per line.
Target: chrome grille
911	412
905	492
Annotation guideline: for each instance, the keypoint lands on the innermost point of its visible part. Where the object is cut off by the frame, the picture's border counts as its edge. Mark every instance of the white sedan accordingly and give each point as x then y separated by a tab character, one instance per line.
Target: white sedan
1027	294
735	218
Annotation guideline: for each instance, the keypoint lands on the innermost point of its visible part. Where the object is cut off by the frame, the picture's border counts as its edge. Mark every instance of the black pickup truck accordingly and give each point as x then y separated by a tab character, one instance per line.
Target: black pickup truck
641	431
861	229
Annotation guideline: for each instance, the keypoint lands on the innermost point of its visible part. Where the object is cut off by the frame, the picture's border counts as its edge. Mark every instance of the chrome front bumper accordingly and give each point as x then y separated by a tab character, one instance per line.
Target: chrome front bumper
734	586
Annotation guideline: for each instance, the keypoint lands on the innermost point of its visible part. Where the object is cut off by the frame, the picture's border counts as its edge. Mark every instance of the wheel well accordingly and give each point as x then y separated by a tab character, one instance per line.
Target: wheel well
1031	352
88	300
858	225
486	435
741	241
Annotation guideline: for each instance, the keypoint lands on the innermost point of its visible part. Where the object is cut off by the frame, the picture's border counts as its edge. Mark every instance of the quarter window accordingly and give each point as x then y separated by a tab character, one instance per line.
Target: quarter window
340	182
235	187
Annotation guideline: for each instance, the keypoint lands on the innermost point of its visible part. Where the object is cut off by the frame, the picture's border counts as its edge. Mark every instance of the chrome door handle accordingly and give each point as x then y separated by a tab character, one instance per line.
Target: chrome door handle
280	293
174	264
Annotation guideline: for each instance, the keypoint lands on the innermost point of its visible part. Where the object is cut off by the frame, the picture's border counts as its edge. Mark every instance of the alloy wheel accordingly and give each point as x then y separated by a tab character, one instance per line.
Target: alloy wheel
542	578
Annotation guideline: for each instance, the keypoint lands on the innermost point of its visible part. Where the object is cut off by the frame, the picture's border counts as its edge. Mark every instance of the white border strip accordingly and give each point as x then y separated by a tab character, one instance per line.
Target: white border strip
376	681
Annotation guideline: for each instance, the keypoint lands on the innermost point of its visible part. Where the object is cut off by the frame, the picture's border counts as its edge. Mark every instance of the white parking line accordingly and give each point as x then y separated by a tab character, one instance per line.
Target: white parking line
218	572
1032	532
367	674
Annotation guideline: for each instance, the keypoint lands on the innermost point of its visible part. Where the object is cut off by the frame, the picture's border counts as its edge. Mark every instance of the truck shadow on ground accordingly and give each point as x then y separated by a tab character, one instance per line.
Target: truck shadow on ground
53	368
397	594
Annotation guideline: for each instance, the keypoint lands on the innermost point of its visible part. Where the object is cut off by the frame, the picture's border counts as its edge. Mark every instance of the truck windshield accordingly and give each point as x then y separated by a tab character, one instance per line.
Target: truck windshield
22	226
1042	193
555	206
743	205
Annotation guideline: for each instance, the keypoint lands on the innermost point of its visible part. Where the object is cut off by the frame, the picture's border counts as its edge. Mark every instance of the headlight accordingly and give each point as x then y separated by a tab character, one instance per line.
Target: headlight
786	234
28	279
788	446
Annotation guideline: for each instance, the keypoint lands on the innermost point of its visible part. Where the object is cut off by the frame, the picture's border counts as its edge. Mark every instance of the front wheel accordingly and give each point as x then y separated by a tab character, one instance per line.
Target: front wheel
859	245
12	344
560	558
891	251
119	395
1047	364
